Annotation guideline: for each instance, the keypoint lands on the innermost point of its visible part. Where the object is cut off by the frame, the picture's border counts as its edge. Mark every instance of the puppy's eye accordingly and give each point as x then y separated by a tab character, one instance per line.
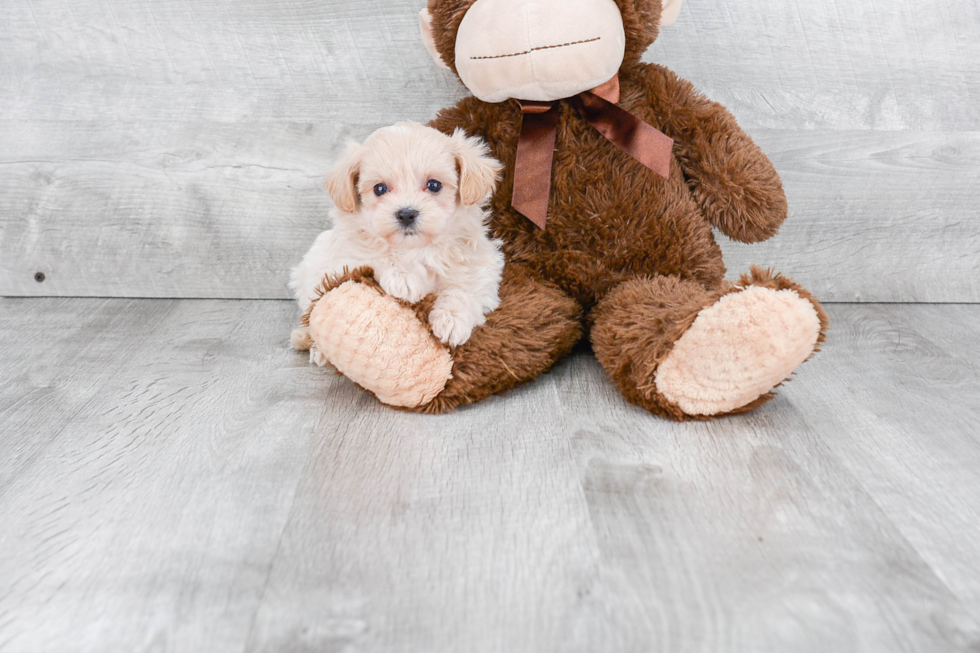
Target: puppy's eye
434	186
380	189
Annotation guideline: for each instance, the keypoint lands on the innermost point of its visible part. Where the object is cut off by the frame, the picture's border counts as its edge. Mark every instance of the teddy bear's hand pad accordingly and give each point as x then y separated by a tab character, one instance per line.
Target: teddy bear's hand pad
379	344
739	349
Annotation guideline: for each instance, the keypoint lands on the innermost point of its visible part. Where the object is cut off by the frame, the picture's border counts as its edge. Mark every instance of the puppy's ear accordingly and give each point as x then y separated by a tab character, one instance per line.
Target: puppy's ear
342	180
478	171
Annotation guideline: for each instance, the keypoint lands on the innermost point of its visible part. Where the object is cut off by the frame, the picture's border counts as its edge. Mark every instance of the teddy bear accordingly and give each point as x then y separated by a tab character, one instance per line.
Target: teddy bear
616	172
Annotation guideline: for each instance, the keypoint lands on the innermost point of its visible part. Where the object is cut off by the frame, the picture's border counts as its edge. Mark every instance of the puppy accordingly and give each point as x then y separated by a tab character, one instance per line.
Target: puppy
410	205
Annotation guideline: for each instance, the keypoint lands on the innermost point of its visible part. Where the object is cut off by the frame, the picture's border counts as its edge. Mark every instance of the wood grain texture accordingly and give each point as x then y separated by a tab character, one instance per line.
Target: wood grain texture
833	64
172	149
830	64
214	210
173	478
860	480
145	479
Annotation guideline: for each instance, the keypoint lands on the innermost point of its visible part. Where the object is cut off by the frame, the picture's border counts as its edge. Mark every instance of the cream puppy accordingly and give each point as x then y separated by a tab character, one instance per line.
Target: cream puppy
410	204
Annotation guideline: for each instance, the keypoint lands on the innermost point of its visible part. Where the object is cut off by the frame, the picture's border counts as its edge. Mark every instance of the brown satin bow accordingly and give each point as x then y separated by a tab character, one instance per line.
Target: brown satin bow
536	147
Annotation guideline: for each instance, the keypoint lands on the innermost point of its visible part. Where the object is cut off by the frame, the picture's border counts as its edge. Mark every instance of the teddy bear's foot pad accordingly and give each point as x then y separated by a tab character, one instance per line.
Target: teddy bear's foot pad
380	345
738	350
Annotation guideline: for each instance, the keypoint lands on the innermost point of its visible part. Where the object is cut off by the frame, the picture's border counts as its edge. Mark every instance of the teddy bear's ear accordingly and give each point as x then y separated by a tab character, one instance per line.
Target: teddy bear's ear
478	171
671	10
342	180
425	26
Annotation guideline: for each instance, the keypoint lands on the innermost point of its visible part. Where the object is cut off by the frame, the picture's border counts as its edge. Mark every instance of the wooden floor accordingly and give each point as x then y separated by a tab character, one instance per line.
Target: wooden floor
173	478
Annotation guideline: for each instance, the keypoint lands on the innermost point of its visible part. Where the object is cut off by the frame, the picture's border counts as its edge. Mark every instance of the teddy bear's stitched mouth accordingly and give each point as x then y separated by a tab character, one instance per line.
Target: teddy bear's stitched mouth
543	47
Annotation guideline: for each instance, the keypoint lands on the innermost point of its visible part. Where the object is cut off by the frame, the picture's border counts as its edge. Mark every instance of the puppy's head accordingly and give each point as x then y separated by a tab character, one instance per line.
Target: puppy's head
406	182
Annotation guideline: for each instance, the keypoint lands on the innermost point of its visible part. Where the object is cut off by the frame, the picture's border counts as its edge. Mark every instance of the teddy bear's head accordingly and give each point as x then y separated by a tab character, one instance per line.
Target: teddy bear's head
540	49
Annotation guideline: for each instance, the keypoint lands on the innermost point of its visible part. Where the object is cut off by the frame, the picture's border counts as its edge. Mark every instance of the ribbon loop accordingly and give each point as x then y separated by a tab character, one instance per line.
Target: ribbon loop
649	146
529	106
536	147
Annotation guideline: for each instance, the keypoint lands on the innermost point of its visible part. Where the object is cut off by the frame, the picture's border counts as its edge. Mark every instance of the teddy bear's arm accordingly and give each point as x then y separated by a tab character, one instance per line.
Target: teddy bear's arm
735	184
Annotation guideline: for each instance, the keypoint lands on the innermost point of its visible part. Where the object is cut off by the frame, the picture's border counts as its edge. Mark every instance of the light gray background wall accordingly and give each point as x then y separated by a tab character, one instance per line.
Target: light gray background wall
169	148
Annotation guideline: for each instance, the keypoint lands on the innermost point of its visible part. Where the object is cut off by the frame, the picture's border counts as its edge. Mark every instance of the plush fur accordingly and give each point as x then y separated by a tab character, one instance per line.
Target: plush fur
628	257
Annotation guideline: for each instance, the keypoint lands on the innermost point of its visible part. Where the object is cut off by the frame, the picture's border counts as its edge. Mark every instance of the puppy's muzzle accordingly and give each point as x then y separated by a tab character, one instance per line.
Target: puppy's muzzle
407	217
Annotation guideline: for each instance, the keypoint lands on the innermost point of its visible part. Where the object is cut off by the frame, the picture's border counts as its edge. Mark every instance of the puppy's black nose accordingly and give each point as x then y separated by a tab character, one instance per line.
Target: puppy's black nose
407	216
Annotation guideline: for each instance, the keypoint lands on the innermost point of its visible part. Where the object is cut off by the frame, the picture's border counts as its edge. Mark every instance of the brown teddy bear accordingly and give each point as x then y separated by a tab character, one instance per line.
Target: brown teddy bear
611	238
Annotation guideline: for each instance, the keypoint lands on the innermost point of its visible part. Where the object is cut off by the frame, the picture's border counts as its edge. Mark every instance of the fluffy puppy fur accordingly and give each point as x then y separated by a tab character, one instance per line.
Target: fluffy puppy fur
410	205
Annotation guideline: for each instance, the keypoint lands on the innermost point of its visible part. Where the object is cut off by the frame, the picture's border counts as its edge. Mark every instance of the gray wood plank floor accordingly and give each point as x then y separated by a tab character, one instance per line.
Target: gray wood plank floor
174	478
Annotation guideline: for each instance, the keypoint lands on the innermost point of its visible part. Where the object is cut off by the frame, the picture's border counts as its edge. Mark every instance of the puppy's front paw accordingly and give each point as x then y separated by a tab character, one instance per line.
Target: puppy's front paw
317	358
450	327
402	287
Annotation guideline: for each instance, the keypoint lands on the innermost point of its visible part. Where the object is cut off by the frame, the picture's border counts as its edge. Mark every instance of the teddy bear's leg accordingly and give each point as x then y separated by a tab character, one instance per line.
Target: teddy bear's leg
385	346
535	325
683	351
376	341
